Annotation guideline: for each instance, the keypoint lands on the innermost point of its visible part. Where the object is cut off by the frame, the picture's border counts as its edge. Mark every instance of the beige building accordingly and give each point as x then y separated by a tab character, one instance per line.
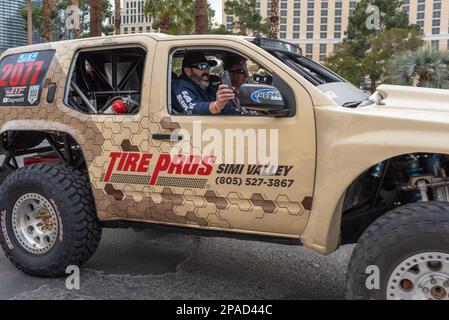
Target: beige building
318	26
133	18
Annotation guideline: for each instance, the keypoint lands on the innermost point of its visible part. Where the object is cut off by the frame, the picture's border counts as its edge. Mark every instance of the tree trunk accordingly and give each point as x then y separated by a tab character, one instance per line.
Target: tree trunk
201	17
274	20
46	13
118	16
164	23
95	18
30	21
76	24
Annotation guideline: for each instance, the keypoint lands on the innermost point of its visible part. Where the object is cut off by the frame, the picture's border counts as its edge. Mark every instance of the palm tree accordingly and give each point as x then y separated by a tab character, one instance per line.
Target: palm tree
423	68
118	16
201	16
47	13
76	31
171	16
274	20
96	16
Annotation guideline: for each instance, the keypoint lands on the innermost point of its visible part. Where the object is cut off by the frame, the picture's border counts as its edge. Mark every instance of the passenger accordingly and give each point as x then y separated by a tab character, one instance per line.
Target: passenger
192	94
238	72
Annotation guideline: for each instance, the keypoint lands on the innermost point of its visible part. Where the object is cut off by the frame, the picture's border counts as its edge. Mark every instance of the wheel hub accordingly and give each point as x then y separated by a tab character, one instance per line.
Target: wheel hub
422	276
35	223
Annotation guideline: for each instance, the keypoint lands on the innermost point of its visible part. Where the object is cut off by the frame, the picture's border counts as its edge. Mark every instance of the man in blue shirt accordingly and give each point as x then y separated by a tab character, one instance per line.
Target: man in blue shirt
192	94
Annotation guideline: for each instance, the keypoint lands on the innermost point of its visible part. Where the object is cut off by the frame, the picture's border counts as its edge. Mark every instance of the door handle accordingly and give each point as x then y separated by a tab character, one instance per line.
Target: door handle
167	137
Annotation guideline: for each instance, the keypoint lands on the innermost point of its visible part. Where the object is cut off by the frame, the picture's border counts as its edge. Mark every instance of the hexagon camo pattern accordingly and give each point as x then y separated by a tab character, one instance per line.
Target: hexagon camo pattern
99	135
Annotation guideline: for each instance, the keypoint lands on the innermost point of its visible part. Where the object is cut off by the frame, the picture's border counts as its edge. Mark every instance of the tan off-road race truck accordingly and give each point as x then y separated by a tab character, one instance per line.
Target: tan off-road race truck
88	131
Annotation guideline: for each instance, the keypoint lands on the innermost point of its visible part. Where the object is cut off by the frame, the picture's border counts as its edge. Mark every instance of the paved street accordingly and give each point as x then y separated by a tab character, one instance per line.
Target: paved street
156	265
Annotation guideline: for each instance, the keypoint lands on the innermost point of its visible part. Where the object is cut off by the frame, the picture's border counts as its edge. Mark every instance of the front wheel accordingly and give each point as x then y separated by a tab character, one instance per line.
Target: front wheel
403	255
48	219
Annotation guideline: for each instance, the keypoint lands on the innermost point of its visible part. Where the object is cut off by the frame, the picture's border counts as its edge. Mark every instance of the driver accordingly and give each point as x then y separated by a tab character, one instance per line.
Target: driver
192	93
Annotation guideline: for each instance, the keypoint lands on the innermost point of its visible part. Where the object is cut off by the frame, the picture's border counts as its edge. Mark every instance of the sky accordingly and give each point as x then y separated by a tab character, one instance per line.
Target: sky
215	4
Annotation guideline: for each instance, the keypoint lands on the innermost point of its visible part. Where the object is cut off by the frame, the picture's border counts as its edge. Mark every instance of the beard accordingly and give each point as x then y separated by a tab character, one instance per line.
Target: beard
202	81
204	84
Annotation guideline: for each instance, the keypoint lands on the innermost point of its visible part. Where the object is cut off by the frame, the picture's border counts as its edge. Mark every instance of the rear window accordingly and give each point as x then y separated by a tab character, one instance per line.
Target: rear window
107	81
22	77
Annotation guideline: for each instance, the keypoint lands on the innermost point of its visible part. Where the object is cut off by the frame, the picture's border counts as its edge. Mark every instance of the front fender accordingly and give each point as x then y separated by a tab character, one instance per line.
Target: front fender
349	141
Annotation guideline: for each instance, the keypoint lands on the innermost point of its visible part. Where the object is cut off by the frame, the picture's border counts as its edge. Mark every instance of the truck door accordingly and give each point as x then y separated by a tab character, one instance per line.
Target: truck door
109	87
215	191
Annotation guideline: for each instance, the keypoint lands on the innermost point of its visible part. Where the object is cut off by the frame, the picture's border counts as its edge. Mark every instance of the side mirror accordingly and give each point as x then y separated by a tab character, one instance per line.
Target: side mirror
261	97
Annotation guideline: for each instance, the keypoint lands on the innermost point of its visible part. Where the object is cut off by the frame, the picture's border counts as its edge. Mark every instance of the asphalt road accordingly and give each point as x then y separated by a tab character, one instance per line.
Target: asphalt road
156	265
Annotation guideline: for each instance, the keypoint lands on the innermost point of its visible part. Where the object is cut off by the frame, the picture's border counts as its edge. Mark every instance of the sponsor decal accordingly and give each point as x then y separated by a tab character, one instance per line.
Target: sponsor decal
33	94
257	175
61	233
266	94
14	91
178	165
5	231
28	57
22	77
13	100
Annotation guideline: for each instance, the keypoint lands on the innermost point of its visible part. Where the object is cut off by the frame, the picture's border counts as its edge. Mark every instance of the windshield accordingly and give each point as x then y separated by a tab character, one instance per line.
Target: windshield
319	76
291	55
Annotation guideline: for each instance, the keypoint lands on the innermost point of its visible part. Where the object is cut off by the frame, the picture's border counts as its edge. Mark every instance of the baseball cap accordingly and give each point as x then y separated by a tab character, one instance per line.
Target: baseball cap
191	58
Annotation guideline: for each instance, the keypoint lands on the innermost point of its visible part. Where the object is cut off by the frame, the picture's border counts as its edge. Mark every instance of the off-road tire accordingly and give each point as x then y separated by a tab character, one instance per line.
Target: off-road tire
79	234
399	234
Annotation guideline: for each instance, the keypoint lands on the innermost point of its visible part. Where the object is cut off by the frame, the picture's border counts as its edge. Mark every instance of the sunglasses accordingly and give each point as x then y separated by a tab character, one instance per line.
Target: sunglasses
239	71
201	66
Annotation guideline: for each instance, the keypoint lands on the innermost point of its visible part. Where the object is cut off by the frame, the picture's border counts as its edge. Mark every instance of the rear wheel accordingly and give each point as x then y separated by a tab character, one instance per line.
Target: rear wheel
48	219
406	252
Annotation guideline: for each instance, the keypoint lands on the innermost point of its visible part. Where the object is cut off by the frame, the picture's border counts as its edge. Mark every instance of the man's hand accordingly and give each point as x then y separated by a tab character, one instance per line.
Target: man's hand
224	94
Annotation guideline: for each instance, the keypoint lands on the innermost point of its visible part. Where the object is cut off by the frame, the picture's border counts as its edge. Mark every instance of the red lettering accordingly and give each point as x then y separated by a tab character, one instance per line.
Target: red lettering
122	161
176	163
6	71
162	164
29	67
192	165
39	64
144	163
114	156
16	74
131	162
207	162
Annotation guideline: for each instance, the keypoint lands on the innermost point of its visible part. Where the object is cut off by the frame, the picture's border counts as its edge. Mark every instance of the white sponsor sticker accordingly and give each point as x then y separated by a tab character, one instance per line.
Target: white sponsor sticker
27	57
33	94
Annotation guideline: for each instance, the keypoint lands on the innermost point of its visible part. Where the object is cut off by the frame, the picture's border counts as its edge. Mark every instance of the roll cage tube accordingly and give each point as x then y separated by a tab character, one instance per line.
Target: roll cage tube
108	88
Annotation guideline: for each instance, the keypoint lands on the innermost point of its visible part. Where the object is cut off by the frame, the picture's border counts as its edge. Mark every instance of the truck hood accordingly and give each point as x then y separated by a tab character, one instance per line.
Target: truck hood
414	99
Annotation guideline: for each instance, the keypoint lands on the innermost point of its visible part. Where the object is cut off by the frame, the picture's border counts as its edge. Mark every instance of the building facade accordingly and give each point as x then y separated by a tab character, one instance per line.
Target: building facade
12	26
133	18
318	26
